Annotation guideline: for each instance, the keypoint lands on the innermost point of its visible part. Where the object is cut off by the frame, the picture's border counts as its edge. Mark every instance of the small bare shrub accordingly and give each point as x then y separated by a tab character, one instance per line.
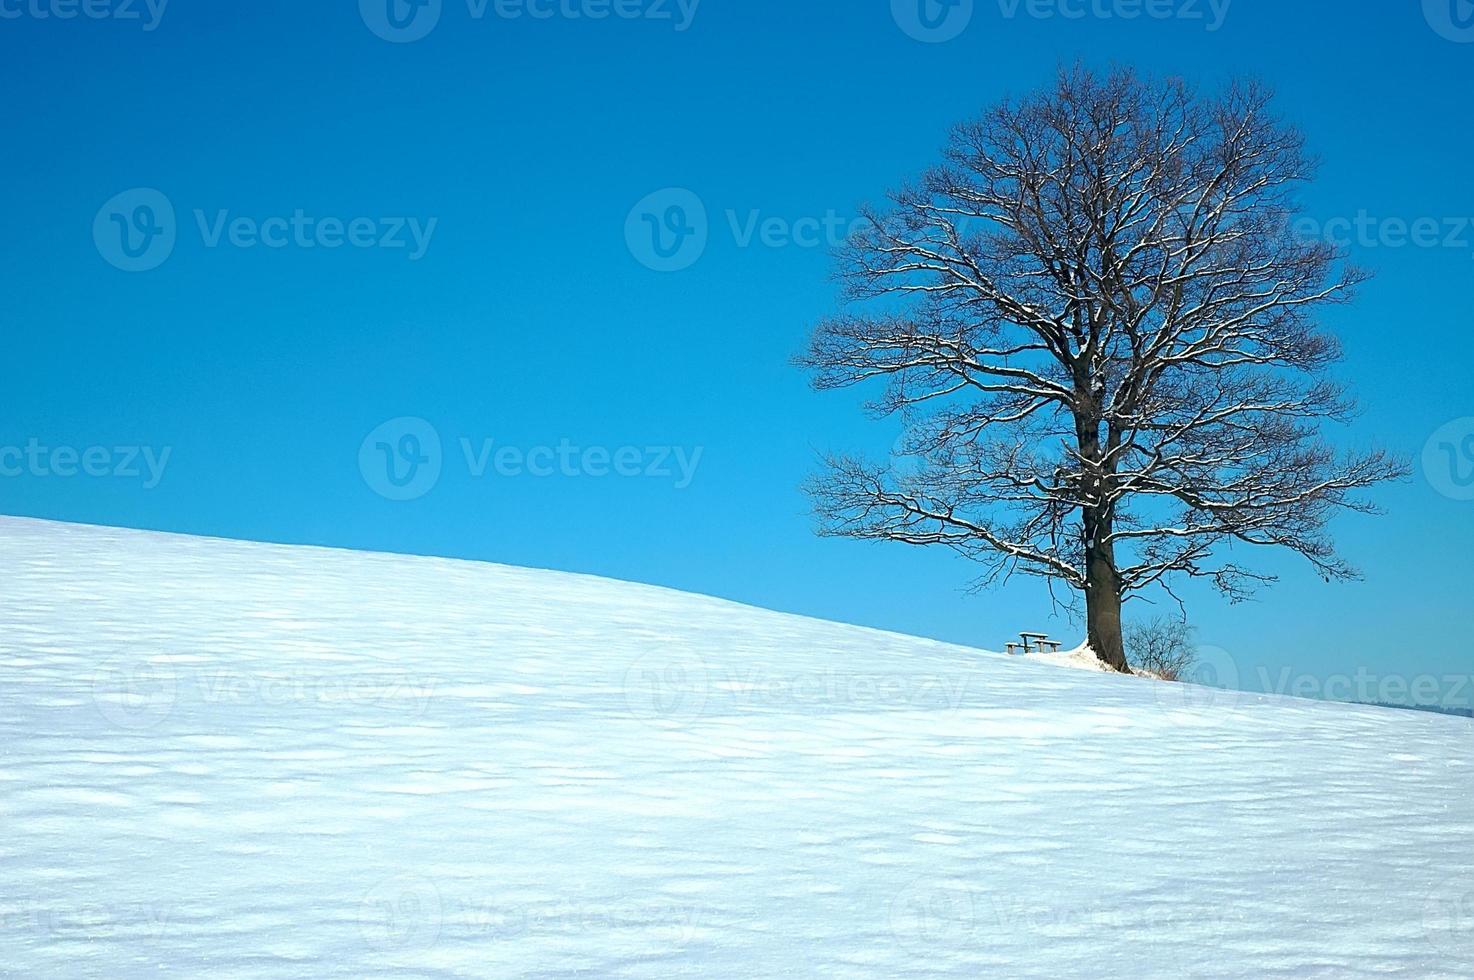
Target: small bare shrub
1164	647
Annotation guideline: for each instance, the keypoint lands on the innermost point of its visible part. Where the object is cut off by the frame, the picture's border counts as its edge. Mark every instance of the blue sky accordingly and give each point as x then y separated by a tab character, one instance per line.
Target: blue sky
451	239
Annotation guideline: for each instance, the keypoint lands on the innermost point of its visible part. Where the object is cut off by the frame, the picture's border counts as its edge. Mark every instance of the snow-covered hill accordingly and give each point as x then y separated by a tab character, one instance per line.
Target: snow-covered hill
238	760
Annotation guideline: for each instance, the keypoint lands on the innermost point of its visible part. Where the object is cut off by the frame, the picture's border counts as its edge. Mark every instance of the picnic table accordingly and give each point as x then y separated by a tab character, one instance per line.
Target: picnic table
1035	643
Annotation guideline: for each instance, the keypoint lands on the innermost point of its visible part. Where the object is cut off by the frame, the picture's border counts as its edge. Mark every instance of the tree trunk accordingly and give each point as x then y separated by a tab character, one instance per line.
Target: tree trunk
1103	603
1102	580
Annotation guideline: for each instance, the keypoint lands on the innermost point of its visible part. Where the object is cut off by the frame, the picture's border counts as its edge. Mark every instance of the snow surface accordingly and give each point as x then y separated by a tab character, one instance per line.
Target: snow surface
1080	658
239	760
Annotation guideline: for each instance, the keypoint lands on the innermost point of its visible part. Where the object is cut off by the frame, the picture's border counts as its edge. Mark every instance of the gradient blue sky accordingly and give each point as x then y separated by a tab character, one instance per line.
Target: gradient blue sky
529	321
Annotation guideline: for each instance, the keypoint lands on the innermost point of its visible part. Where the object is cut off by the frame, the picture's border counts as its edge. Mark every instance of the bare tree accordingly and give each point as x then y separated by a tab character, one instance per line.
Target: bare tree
1162	646
1104	347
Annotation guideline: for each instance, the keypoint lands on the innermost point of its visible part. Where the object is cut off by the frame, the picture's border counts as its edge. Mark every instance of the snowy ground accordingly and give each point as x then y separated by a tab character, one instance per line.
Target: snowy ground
236	760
